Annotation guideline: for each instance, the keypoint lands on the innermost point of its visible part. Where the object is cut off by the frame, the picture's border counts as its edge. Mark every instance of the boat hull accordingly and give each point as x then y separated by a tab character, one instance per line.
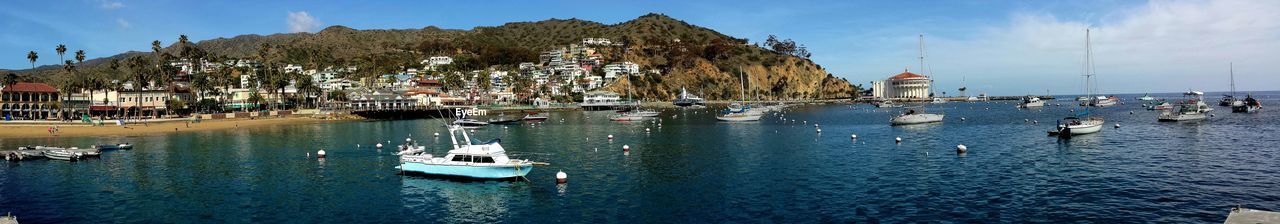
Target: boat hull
1180	117
1031	104
1245	109
477	172
916	119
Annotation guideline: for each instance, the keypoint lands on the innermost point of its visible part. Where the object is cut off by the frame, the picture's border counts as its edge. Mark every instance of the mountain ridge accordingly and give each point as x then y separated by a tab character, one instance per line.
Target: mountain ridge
686	55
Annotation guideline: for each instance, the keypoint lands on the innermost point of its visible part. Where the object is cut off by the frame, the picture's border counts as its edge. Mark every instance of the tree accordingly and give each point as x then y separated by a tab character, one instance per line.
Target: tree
10	79
159	62
140	67
62	49
86	81
70	83
113	69
338	95
31	56
788	47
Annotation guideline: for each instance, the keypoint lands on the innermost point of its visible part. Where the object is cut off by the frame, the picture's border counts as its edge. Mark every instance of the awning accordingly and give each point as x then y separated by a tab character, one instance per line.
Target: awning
103	108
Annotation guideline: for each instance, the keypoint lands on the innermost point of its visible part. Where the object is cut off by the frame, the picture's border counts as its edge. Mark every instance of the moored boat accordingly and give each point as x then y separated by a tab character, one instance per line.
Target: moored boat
1146	97
62	154
24	153
912	116
1248	105
472	123
1191	108
534	116
486	160
1160	105
1030	101
1070	126
685	99
1083	123
502	119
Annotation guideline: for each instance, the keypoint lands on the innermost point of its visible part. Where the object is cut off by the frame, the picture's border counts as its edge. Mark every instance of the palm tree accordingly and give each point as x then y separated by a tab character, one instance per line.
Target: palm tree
113	68
87	81
62	49
31	56
10	79
139	66
70	83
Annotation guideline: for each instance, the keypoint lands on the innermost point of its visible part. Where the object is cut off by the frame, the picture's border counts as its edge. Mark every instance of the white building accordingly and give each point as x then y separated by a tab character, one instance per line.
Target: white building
906	85
322	77
614	70
338	84
596	41
292	68
433	62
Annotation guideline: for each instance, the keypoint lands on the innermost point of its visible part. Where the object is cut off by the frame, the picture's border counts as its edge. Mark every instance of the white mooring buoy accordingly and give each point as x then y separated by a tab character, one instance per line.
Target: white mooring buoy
646	129
611	137
437	134
320	154
961	149
819	130
561	177
626	148
898	139
853	136
379	145
1117	125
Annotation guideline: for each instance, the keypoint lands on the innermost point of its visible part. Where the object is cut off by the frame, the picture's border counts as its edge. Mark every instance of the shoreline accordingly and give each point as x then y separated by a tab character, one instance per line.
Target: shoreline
145	129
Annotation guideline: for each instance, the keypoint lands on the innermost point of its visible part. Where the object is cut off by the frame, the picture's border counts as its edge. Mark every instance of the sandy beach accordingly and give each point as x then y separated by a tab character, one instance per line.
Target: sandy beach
79	130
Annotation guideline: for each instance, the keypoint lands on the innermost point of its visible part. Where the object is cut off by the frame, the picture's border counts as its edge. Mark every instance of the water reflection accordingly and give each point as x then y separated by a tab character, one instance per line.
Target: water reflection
464	201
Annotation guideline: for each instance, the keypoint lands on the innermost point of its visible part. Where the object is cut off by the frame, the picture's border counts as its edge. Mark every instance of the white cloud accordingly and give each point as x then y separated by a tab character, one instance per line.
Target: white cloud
123	23
111	4
1162	46
301	22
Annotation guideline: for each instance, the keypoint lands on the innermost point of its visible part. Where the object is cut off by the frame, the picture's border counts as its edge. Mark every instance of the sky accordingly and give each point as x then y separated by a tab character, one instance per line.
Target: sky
990	46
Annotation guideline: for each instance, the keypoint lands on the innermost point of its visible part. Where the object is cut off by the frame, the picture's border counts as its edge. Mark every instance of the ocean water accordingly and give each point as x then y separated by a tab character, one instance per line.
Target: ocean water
691	169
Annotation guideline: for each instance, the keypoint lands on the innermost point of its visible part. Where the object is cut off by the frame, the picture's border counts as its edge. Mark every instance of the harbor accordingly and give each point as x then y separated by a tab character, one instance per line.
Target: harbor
1010	171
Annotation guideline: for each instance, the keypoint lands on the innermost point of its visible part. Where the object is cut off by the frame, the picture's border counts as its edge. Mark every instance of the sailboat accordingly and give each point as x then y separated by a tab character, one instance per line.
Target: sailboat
740	111
914	116
633	113
1081	123
1230	100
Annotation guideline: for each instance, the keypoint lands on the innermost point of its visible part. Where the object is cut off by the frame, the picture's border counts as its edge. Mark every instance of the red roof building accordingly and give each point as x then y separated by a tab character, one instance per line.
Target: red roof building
30	87
907	75
28	100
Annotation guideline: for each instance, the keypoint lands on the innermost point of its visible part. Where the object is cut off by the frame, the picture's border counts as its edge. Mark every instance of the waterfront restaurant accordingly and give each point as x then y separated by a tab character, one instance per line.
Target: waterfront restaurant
905	85
29	101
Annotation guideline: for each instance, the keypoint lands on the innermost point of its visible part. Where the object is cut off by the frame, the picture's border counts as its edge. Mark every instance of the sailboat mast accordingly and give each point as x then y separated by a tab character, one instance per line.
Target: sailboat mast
922	54
929	89
742	86
1233	79
1088	57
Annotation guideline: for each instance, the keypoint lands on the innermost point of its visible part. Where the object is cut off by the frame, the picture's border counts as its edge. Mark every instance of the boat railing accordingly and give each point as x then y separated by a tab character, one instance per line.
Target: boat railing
530	157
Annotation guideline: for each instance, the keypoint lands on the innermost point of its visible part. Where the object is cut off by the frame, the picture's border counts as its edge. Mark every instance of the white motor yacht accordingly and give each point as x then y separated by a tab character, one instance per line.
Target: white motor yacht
1030	102
486	160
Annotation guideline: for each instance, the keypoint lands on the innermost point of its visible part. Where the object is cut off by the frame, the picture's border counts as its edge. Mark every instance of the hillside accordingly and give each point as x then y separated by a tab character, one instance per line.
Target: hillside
686	55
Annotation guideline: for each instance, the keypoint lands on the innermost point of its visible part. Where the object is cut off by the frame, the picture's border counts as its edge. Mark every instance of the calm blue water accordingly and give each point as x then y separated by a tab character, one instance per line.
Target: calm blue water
692	169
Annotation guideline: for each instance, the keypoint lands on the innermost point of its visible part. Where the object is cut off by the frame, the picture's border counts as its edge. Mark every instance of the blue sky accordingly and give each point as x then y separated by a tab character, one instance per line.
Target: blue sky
998	47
